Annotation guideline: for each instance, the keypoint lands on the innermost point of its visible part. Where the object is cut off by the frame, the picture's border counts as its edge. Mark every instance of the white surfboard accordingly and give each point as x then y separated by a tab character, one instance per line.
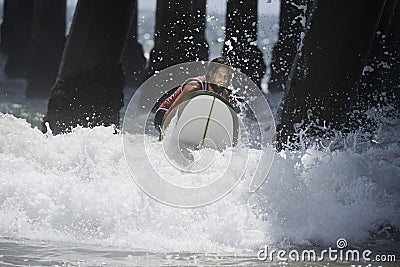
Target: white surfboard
206	119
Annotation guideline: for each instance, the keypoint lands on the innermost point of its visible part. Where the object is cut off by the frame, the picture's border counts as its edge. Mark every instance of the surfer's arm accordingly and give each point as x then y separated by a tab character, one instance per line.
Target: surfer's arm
225	94
188	88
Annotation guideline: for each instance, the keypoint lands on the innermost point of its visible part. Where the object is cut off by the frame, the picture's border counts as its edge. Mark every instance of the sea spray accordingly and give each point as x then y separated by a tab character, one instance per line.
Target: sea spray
317	195
76	187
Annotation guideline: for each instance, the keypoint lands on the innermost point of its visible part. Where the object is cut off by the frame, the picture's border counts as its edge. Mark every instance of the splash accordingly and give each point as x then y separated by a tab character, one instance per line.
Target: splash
76	187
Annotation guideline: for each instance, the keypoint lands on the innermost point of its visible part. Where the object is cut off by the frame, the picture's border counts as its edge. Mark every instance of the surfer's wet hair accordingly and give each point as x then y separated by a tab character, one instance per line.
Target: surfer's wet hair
215	64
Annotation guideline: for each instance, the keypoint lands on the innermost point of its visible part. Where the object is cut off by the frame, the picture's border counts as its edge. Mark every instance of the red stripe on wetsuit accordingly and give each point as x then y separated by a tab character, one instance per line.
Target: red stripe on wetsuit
170	100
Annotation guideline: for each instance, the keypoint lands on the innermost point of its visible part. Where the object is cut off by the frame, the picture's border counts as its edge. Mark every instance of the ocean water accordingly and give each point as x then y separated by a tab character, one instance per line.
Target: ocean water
69	200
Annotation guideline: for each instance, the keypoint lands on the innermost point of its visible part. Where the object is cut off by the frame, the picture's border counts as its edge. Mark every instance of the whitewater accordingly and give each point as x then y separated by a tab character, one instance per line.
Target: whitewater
70	200
76	188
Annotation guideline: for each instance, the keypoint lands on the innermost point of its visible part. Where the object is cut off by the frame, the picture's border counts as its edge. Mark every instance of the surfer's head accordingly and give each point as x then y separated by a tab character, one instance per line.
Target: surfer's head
219	73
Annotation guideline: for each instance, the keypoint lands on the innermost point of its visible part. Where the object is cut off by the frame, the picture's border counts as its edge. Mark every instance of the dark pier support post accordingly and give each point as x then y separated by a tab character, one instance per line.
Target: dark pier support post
241	39
7	29
16	35
173	35
157	55
375	88
323	84
47	43
133	60
90	82
199	28
391	80
292	23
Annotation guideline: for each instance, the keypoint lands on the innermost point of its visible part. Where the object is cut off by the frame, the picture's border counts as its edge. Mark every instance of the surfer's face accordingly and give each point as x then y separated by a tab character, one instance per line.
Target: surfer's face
220	77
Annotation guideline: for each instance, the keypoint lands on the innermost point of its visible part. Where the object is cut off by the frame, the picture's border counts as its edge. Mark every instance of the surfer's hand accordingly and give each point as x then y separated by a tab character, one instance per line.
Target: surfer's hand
191	87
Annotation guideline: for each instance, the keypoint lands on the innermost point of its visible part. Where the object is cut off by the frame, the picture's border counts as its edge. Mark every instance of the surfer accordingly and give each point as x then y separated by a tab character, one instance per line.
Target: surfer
217	79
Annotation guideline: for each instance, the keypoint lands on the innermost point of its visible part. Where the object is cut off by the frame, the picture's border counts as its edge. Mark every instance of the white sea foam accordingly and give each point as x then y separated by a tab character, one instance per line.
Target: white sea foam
76	187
